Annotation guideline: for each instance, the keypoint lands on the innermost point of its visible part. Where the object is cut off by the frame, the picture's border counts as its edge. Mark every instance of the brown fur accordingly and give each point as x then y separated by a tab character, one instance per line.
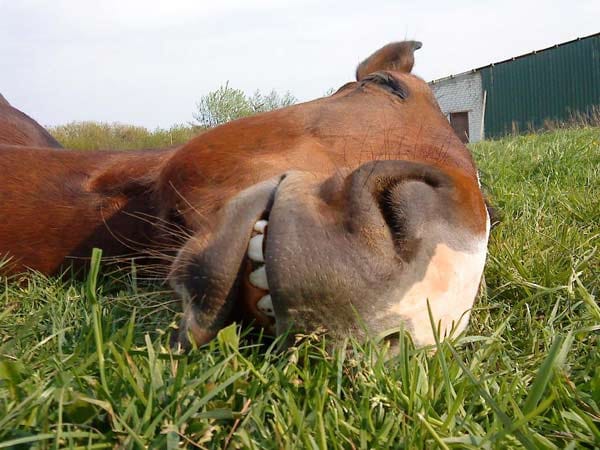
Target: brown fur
57	205
17	128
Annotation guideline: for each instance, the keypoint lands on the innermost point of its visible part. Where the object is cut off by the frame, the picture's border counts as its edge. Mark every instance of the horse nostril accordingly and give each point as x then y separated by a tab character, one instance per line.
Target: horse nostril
392	212
408	206
403	196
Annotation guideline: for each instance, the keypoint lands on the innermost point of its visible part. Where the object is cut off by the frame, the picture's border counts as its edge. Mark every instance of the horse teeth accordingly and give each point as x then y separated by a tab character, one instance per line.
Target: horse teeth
265	305
258	278
260	226
255	248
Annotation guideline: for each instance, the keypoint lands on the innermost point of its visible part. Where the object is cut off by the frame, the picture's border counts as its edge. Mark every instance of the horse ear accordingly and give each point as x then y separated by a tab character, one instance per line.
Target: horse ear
397	56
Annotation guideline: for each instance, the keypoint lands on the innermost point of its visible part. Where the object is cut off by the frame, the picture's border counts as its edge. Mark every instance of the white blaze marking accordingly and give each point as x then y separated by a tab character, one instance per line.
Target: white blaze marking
450	284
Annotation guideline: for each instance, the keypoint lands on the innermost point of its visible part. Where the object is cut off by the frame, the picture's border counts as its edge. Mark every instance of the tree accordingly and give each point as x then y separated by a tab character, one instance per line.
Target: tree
227	103
273	100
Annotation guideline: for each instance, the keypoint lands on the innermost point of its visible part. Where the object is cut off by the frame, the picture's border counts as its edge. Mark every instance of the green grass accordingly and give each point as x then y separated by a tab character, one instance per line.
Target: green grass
87	365
118	136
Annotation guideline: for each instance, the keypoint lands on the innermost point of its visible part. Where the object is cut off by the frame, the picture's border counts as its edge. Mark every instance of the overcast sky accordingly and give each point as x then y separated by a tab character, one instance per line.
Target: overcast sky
148	63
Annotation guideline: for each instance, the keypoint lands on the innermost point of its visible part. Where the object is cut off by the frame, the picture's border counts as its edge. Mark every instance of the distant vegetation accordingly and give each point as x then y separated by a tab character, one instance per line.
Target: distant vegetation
215	108
227	103
118	136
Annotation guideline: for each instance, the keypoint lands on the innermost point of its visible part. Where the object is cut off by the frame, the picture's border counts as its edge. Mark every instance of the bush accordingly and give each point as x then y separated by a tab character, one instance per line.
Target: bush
215	108
118	136
227	104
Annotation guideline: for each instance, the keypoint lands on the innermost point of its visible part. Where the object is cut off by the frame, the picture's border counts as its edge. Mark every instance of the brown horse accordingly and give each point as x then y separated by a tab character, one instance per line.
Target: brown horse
19	129
353	212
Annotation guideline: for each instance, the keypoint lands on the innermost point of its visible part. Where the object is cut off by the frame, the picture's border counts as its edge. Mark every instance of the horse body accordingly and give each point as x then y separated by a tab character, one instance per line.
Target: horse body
18	128
61	204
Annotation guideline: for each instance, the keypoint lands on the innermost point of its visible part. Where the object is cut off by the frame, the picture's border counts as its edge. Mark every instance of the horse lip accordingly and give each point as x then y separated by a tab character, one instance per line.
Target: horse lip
207	270
275	238
254	264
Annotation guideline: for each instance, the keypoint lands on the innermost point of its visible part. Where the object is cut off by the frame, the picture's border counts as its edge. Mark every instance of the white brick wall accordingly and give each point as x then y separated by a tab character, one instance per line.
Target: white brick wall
462	92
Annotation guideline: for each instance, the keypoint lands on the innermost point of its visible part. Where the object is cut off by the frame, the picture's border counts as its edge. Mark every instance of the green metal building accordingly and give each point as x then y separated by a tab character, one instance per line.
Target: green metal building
558	83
